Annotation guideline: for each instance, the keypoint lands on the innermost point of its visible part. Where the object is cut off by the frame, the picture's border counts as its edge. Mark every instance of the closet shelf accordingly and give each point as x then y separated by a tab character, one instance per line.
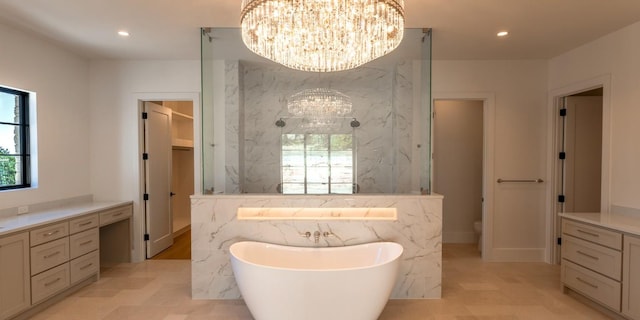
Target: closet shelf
181	115
182	143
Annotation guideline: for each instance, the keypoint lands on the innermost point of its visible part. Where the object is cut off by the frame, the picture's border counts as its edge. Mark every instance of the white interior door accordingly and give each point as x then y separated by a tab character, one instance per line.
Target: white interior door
157	137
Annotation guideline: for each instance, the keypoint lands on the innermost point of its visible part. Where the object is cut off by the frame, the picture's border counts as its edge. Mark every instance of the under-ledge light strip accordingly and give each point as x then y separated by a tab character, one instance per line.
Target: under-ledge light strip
384	214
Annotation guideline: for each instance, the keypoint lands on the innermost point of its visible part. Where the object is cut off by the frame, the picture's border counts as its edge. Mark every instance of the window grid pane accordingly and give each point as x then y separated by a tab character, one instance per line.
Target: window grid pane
317	163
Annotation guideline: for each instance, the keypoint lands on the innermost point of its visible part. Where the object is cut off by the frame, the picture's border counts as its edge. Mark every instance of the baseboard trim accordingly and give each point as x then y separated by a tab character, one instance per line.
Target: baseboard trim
182	231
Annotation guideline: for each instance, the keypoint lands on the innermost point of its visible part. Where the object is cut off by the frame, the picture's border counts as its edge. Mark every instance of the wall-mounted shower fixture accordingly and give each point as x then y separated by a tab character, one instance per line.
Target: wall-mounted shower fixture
280	123
355	123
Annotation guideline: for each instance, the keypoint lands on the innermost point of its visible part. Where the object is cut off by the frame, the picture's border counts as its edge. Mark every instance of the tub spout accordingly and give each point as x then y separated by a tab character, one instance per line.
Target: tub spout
316	236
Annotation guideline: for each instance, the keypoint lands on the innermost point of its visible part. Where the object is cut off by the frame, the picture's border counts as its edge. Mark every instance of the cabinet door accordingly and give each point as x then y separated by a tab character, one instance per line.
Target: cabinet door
631	277
15	289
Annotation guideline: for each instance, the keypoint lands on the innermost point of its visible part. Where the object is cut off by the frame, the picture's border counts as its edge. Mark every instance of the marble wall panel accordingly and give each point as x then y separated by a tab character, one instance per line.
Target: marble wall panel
265	93
418	230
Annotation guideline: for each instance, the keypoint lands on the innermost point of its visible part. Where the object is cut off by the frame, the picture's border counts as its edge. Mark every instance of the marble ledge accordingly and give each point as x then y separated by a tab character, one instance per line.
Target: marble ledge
288	213
346	197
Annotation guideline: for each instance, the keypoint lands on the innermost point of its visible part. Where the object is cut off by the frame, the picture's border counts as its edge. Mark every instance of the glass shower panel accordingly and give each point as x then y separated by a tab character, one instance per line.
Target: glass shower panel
253	143
425	117
207	115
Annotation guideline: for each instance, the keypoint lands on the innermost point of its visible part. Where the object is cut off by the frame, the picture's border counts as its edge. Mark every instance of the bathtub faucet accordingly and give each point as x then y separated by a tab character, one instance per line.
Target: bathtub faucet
316	236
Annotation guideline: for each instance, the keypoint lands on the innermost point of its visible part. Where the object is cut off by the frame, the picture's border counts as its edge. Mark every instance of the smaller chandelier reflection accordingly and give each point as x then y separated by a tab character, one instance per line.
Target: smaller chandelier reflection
319	104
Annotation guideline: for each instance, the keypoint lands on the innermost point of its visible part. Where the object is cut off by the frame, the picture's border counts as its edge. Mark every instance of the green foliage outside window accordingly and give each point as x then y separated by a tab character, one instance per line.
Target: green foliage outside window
7	168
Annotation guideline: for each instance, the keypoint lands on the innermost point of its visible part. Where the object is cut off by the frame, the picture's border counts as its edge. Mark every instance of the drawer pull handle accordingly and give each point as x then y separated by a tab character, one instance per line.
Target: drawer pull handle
589	233
48	234
118	214
86	242
87	266
52	255
587	283
588	255
85	223
52	282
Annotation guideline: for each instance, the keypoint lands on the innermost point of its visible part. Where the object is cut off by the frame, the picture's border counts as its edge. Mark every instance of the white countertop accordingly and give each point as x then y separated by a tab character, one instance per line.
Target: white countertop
15	223
627	223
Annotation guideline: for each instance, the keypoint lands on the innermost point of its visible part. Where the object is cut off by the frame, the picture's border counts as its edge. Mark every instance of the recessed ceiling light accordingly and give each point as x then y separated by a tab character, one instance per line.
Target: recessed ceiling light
503	33
123	33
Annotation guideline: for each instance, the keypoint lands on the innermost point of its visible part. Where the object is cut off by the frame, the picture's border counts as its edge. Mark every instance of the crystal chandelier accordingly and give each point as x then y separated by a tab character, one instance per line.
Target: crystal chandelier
322	35
319	103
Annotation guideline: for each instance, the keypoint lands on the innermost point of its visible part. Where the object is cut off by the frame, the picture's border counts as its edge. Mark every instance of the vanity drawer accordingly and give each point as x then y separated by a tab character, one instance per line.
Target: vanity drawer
48	233
83	223
84	242
114	215
49	255
592	233
591	284
592	256
49	283
84	266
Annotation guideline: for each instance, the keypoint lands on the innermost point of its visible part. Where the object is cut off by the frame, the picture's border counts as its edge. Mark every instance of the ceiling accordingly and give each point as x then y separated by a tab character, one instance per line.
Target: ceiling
462	29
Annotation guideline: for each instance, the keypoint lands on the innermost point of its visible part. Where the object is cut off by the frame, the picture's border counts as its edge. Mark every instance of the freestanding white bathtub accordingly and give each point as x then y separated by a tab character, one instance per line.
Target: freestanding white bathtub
331	283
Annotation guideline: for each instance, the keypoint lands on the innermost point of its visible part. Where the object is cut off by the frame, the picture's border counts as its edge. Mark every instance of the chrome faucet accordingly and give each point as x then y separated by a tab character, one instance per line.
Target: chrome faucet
316	236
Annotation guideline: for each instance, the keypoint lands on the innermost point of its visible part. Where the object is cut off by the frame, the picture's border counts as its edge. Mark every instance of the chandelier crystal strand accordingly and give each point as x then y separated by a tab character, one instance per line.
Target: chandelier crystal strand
322	35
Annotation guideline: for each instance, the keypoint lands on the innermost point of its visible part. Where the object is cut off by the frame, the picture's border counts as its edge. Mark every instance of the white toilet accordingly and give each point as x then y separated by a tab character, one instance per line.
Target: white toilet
477	227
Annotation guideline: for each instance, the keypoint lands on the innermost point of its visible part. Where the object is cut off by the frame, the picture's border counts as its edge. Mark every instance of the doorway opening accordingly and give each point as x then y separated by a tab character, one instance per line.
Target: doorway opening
168	158
579	146
458	167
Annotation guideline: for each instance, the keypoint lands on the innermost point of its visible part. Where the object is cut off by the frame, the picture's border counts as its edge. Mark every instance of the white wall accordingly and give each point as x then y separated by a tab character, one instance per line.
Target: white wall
616	55
116	87
60	81
517	220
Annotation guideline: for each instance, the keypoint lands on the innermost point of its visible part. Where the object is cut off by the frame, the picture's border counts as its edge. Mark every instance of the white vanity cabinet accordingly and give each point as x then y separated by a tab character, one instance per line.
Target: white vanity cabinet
49	260
15	292
54	252
84	243
602	264
631	277
63	254
592	261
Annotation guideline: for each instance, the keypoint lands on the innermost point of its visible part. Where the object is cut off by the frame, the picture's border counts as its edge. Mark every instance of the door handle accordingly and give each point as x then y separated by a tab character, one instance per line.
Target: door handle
171	194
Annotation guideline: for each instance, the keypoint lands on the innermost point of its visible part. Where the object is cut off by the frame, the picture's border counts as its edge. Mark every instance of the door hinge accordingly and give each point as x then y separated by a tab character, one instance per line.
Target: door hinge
559	241
145	115
146	237
561	198
145	197
145	156
562	155
563	112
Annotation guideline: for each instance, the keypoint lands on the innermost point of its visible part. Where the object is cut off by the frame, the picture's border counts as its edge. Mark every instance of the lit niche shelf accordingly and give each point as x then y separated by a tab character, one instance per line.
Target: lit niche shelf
379	214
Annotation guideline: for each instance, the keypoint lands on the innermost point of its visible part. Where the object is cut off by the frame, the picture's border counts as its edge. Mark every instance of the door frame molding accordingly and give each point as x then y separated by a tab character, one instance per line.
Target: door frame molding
139	250
488	175
553	167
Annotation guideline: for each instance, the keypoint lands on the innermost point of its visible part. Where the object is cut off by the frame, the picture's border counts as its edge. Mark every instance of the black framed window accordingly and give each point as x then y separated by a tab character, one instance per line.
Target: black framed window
14	139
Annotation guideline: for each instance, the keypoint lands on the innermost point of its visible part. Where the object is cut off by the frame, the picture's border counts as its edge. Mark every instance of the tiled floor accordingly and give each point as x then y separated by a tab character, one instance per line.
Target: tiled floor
160	289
